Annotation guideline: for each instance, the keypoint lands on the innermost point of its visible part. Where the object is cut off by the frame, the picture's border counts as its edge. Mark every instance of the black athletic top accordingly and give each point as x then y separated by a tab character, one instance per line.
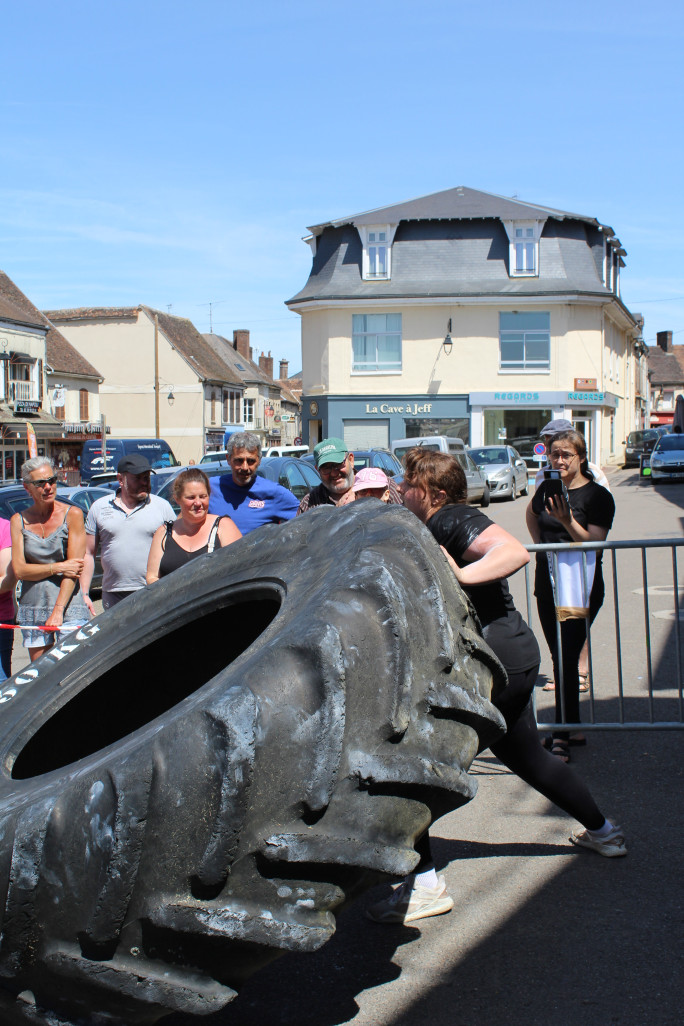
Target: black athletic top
174	556
456	527
590	504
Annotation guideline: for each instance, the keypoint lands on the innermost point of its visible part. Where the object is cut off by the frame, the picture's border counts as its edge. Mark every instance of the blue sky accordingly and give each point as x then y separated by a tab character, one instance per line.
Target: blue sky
174	154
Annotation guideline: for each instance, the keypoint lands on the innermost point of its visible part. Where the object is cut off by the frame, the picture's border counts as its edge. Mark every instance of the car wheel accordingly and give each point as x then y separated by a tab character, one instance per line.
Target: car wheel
201	778
514	491
484	502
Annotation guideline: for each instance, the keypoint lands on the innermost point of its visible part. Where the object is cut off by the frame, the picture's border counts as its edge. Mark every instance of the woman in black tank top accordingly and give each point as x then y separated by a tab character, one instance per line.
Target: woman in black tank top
193	533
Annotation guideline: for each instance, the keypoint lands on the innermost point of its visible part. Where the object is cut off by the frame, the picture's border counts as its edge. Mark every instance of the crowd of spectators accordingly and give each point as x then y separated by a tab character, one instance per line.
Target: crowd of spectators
51	551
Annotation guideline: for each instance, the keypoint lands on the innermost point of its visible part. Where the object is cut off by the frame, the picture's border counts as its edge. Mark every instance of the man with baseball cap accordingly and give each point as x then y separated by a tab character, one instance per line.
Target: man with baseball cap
123	526
335	464
547	435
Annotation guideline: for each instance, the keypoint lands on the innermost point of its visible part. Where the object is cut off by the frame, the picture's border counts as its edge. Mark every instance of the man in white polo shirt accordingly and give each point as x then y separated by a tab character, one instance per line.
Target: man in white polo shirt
123	527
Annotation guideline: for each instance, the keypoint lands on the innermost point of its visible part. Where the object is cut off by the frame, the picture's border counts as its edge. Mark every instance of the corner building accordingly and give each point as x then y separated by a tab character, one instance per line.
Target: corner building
472	315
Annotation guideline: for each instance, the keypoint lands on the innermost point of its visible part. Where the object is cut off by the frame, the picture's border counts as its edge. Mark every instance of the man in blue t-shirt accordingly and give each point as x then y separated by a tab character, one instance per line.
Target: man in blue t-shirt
247	499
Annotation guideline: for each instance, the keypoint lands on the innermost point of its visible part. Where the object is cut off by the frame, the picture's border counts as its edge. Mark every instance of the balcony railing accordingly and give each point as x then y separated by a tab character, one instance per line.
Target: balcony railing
22	391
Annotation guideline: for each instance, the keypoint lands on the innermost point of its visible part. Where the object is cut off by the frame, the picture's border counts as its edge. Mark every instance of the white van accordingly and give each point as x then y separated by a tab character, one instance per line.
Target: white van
478	487
438	443
285	450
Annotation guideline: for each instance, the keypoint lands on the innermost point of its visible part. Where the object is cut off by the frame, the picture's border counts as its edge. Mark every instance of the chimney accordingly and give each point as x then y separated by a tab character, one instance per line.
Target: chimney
284	366
241	342
664	340
266	364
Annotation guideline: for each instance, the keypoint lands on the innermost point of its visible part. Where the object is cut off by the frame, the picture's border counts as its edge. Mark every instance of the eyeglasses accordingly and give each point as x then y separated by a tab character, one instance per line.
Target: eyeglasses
331	468
566	457
39	482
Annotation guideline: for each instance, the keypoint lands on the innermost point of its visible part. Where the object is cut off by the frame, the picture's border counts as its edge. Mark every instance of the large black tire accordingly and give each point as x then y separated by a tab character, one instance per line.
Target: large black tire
199	779
486	496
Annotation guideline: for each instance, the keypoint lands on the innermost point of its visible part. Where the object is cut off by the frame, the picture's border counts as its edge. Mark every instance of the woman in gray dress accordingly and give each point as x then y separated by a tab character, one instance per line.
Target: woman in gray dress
48	547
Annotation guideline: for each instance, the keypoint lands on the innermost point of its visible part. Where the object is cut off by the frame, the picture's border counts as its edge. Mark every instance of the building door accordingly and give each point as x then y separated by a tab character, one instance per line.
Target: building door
583	422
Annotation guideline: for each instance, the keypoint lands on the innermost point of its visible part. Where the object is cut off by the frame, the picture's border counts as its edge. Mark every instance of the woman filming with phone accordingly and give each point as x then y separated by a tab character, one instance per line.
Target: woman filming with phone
568	506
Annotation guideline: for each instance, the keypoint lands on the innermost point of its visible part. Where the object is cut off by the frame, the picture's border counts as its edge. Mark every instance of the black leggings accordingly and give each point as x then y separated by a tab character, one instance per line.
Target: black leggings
522	752
573	635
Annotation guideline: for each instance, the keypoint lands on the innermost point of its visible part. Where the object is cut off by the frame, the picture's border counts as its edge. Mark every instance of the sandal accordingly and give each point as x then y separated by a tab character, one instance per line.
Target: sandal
549	686
560	749
583	681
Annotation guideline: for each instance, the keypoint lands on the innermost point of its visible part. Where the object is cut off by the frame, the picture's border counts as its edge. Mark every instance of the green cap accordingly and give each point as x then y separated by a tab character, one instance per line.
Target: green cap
330	450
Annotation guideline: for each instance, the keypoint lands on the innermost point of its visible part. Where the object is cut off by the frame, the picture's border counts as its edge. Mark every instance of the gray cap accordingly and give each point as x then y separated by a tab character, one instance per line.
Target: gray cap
554	427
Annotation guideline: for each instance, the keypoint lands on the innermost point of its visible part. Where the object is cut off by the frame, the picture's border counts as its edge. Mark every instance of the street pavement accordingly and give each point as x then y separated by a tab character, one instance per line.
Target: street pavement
542	932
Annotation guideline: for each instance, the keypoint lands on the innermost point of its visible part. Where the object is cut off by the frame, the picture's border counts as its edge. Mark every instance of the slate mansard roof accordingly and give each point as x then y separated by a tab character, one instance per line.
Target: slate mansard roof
454	244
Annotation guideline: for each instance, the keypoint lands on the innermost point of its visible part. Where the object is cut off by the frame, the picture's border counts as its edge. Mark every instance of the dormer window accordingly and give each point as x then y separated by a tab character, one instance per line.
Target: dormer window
523	237
377	251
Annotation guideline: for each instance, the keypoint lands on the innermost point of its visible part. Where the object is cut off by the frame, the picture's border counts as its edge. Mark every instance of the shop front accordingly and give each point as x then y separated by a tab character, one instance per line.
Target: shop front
517	417
375	421
14	448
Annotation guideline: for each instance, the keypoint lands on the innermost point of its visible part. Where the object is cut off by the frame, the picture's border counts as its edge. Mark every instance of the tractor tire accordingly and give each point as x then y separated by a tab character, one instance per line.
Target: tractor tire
199	779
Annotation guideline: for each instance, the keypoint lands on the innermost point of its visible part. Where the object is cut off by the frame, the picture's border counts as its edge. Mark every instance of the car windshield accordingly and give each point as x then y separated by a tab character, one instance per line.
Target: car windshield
637	437
670	443
487	455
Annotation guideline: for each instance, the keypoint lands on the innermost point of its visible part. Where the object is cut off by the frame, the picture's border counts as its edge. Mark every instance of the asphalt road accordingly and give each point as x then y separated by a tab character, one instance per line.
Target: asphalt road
542	932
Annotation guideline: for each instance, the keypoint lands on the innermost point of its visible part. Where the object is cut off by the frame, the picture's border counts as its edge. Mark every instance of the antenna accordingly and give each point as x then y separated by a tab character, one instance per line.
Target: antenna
211	306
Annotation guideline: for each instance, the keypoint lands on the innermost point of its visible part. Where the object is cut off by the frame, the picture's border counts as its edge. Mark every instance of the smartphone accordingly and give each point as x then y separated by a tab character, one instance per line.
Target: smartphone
553	484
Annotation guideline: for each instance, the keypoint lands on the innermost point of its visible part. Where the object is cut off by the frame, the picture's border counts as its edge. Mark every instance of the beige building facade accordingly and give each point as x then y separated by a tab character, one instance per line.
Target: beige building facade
160	377
457	329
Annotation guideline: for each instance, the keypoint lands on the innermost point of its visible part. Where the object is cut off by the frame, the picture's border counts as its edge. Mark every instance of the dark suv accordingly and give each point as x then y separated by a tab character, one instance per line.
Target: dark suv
638	443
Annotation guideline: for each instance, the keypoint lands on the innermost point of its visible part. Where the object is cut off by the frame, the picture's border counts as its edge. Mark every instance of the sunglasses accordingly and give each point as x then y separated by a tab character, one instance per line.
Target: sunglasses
39	482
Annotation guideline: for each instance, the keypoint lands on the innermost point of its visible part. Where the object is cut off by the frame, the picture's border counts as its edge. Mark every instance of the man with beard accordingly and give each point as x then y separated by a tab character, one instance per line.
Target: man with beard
247	498
335	464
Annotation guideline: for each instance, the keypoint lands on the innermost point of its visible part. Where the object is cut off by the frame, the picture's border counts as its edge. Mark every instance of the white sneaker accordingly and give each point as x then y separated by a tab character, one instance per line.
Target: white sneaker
612	845
410	901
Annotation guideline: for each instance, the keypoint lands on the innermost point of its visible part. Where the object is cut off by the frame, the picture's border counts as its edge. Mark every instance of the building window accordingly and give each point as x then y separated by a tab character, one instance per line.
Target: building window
212	409
525	249
248	411
377	250
524	341
376	343
523	237
83	405
231	407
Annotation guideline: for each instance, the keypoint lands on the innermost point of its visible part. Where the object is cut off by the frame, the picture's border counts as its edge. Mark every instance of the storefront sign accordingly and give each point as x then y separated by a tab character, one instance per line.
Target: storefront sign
543	399
27	406
408	408
586	384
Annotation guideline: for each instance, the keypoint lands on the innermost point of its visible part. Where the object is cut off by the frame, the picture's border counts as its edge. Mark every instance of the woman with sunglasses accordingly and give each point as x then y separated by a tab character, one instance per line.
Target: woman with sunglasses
582	512
48	548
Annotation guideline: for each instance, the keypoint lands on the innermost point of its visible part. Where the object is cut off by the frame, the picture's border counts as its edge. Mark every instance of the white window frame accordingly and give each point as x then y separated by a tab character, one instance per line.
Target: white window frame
376	367
247	410
377	252
525	366
523	248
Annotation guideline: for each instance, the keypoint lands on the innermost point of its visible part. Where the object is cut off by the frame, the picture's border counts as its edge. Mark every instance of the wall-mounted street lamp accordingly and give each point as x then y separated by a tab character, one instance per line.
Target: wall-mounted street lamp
447	344
171	398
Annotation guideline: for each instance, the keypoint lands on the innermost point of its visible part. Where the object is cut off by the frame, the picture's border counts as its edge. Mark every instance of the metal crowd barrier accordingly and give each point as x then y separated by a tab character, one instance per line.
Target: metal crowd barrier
650	694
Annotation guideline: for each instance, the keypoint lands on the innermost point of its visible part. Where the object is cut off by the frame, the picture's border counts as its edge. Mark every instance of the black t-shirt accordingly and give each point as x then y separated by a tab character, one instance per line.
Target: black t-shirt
590	504
456	527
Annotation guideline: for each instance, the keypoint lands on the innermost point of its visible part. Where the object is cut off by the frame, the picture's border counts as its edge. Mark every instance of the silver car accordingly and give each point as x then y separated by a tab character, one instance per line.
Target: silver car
667	458
504	468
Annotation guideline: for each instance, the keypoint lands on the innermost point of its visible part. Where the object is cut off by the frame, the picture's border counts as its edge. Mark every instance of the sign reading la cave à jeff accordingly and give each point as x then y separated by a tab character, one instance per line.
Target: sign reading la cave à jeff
408	408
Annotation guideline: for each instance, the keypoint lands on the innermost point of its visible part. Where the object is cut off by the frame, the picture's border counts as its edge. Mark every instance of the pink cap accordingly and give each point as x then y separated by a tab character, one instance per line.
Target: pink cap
370	477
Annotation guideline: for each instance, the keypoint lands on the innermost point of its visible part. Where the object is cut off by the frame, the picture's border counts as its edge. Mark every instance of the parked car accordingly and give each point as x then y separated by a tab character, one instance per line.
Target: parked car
438	443
15	499
504	468
639	443
373	457
287	471
667	458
